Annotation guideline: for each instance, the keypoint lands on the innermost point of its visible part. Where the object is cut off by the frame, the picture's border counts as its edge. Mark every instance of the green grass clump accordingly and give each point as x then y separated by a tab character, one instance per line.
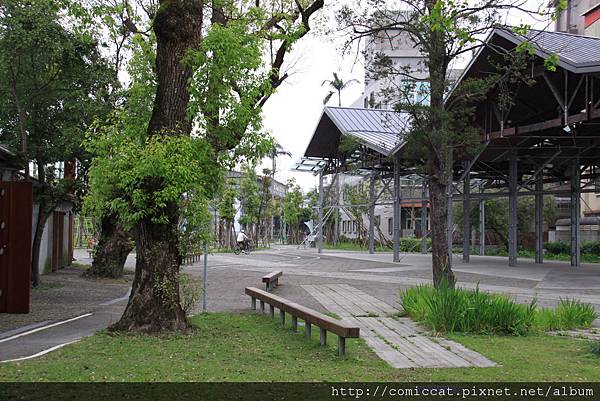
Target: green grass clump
469	311
595	348
472	311
569	314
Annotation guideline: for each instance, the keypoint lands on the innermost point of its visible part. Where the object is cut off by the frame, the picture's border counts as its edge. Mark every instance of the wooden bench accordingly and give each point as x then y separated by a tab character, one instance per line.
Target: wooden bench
310	317
272	280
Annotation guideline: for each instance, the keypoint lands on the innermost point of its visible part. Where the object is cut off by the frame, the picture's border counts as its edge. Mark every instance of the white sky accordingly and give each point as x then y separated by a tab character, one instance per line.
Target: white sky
292	113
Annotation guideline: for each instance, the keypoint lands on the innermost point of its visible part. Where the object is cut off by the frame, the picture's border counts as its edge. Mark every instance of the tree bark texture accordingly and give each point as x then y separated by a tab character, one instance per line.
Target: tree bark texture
154	304
112	249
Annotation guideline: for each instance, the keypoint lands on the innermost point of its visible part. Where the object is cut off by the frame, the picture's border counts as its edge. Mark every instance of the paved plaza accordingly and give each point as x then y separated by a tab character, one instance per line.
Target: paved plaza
361	288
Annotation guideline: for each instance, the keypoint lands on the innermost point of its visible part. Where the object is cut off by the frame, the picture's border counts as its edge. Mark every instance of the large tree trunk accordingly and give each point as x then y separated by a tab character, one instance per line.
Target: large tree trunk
439	166
154	303
438	198
43	215
112	249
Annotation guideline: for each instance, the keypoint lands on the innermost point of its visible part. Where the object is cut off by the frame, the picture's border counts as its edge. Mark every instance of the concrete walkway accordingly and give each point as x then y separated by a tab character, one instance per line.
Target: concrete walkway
38	339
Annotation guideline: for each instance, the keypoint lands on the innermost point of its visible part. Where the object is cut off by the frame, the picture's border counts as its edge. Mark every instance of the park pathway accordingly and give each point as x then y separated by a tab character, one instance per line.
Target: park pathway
397	340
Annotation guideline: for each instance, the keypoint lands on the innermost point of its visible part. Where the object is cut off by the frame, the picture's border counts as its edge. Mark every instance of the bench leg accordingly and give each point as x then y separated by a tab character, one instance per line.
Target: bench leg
272	311
262	306
269	287
342	346
323	336
253	303
282	317
294	323
307	329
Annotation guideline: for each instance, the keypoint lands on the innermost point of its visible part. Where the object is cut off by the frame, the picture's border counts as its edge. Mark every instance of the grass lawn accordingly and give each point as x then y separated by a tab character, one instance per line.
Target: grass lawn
249	347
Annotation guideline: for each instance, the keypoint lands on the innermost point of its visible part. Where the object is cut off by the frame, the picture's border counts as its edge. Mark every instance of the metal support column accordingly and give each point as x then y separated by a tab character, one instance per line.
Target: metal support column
424	204
336	211
575	213
512	209
397	211
320	223
481	223
372	214
466	236
539	209
450	218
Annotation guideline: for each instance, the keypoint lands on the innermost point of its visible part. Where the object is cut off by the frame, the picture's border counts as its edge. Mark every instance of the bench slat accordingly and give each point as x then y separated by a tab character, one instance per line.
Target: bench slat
271	276
308	315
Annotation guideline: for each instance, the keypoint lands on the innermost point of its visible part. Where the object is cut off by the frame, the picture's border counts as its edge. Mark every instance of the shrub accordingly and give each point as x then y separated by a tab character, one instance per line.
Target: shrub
461	310
409	244
189	292
557	248
590	247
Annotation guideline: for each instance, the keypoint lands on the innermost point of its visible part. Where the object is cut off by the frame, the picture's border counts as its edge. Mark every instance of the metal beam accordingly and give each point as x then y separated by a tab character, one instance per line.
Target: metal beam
512	210
397	215
575	214
481	222
466	240
424	231
320	227
450	217
372	214
539	209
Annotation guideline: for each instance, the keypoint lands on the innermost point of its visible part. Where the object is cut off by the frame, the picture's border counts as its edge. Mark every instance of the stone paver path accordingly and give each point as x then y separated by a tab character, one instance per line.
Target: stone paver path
398	341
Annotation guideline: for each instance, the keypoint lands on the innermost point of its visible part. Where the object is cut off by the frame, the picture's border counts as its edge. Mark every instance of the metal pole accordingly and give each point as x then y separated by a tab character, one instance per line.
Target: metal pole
336	216
205	278
466	215
512	209
450	218
372	214
320	223
397	210
481	223
539	208
575	214
424	230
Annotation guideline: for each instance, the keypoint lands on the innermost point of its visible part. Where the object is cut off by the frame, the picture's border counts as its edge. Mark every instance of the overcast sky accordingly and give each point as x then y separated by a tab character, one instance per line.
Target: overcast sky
292	113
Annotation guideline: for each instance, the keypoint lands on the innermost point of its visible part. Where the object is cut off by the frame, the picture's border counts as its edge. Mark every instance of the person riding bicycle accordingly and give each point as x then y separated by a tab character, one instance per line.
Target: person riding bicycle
242	240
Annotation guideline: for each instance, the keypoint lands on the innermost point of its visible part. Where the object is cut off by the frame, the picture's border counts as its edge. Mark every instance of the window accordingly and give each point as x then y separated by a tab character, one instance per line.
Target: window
354	226
390	225
377	221
344	227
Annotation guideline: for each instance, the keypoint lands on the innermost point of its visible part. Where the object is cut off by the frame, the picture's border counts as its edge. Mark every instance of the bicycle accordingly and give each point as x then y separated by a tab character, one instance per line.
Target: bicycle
249	248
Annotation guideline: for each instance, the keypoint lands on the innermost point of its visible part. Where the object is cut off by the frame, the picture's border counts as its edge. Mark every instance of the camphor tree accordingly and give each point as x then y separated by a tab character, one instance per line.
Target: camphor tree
215	70
293	210
227	212
53	83
443	31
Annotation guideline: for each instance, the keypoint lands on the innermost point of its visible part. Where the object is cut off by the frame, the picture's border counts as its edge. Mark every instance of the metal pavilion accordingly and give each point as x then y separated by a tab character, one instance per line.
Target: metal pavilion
546	143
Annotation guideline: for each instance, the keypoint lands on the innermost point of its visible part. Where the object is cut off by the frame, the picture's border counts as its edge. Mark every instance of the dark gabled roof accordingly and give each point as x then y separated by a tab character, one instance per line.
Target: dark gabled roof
576	53
379	130
8	159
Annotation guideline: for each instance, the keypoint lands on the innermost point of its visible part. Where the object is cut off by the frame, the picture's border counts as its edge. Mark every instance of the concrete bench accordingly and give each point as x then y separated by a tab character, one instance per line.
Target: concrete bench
310	317
272	280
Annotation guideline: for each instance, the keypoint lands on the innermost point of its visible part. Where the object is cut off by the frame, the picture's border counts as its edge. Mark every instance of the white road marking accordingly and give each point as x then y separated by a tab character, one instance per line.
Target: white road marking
44	352
45	327
116	300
